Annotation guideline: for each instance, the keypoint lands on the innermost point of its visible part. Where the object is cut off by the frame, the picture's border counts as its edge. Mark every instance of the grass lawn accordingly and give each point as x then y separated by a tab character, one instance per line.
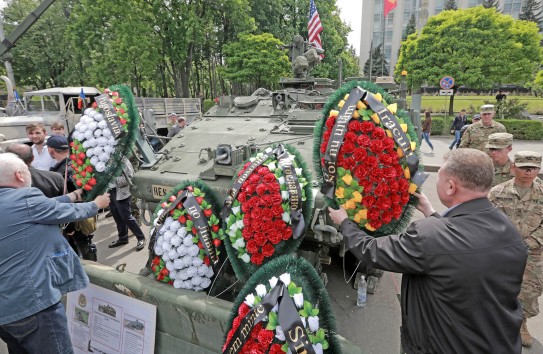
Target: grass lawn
472	103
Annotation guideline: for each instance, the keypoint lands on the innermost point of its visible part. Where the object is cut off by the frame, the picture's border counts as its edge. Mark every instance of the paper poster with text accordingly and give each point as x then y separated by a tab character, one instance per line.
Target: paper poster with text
103	321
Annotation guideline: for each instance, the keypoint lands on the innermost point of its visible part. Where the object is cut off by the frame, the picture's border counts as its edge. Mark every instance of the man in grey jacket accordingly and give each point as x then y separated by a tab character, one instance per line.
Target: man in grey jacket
37	265
461	270
120	208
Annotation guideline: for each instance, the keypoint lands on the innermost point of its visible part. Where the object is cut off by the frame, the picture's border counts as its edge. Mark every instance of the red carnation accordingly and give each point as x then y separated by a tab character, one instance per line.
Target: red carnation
243	309
348	147
326	135
354	125
276	349
254	179
381	190
267	250
257	258
376	146
368	200
363	140
386	217
367	127
260	239
269	178
262	171
265	338
287	233
373	213
378	133
275	238
236	322
350	137
261	189
376	224
250	189
371	162
324	145
251	246
215	228
330	122
360	154
208	212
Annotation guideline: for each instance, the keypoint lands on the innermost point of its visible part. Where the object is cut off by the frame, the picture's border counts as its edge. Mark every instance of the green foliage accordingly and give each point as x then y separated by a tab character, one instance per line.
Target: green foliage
523	129
410	28
255	60
512	108
450	5
303	274
378	62
448	43
438	125
531	11
537	84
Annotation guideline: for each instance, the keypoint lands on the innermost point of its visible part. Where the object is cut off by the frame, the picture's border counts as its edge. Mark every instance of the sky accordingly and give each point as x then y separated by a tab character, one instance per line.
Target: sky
351	13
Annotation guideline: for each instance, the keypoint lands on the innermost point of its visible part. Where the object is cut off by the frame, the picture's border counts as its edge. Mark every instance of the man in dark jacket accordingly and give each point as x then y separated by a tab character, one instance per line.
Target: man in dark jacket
462	270
457	124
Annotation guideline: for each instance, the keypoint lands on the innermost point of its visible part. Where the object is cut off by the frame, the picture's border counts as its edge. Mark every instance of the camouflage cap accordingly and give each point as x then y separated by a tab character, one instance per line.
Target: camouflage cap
528	159
499	141
487	108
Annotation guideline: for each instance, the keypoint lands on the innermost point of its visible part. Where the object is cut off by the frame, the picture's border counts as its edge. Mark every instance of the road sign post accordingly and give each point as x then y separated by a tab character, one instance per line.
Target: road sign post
447	84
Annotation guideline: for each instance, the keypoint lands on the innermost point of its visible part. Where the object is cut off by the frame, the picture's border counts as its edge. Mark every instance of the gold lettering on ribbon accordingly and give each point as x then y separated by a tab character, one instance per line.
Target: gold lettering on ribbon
298	339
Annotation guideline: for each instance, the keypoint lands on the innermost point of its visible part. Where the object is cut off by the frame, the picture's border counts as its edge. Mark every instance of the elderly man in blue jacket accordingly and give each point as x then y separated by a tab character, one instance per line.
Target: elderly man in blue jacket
37	265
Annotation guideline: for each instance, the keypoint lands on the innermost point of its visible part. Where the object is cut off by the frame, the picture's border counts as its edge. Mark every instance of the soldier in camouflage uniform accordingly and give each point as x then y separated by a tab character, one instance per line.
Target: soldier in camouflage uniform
499	146
521	199
476	135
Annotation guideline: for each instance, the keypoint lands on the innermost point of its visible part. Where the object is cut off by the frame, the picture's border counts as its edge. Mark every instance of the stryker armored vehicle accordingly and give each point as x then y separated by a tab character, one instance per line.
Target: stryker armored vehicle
213	148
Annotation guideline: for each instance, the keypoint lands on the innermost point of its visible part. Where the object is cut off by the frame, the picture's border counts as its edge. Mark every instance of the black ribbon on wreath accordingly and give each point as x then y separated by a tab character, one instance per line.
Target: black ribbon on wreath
388	119
200	224
293	186
110	115
287	316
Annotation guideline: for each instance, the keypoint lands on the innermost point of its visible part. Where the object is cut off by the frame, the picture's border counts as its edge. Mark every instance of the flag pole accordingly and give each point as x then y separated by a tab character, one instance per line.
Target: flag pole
383	45
371	59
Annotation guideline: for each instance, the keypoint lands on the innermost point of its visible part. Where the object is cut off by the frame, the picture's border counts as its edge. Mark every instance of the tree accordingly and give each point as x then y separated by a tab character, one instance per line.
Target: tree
487	4
531	11
478	47
410	28
450	5
255	60
378	63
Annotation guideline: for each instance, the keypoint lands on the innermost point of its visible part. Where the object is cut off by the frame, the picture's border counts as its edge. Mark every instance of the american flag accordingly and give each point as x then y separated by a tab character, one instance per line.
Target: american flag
314	26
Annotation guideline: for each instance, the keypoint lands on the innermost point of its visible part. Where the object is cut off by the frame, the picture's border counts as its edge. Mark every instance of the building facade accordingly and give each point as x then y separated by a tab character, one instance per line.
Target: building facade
375	28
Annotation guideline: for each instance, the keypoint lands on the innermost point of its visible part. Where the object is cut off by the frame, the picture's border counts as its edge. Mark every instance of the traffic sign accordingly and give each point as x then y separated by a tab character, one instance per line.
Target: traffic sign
446	92
446	82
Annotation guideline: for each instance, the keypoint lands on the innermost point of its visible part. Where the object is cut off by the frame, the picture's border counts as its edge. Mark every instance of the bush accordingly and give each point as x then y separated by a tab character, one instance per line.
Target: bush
438	126
523	129
207	105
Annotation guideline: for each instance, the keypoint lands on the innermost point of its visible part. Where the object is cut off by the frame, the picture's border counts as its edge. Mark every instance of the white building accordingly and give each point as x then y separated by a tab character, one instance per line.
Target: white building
397	19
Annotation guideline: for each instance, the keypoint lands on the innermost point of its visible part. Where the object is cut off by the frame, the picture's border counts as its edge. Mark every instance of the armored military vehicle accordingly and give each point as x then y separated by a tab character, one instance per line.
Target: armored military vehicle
214	147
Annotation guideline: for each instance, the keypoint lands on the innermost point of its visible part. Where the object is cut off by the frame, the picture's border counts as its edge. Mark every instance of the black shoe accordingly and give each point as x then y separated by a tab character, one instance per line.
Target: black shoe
140	245
117	243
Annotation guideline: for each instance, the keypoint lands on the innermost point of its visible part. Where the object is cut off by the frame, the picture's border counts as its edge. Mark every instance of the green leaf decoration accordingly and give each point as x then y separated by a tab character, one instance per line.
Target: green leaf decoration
272	321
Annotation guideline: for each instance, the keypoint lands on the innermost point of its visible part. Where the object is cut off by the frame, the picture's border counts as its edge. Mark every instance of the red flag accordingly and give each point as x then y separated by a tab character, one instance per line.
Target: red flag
389	5
314	26
81	99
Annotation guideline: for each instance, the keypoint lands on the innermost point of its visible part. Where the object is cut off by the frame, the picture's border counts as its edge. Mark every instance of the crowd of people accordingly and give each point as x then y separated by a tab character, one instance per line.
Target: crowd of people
472	275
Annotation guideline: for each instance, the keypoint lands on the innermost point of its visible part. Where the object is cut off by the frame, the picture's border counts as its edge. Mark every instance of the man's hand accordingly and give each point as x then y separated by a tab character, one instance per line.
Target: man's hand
102	201
424	205
337	215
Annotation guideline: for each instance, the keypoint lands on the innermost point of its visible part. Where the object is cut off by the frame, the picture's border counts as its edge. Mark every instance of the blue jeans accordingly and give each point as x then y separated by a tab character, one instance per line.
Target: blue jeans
426	137
44	332
456	139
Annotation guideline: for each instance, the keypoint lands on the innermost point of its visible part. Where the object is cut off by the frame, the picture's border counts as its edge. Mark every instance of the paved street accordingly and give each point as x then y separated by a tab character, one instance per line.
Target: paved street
374	328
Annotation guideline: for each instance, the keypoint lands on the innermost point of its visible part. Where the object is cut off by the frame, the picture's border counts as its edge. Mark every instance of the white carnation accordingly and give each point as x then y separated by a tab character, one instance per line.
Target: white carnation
318	348
240	242
250	300
170	266
302	318
182	275
193	250
209	273
100	166
299	300
178	283
92	125
160	239
101	124
178	264
92	113
86	145
94	160
272	166
206	282
197	261
235	210
106	132
165	256
196	280
273	281
97	133
245	257
313	323
109	149
202	270
192	271
103	157
285	278
284	195
286	217
182	232
187	241
175	225
87	111
182	250
168	221
279	334
87	134
168	234
101	141
281	180
298	171
175	241
261	290
83	127
90	151
98	117
239	224
186	261
173	254
159	251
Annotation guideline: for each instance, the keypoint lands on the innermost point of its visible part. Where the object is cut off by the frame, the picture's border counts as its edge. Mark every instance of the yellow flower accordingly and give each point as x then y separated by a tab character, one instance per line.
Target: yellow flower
350	204
389	133
375	118
339	192
413	145
357	219
378	97
347	179
392	108
404	127
346	97
334	113
407	173
368	227
412	188
357	197
341	103
361	105
399	151
355	114
363	213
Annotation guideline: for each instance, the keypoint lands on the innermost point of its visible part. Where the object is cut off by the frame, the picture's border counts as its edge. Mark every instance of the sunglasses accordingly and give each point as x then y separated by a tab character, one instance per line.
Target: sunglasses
528	169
